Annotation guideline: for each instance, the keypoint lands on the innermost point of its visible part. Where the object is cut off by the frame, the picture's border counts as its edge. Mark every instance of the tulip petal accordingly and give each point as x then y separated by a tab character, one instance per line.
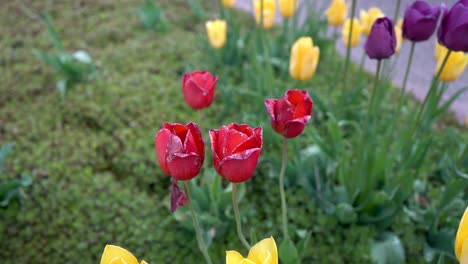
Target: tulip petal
264	251
178	197
143	262
161	141
115	254
462	235
295	127
233	257
270	107
184	166
198	139
464	253
239	167
214	143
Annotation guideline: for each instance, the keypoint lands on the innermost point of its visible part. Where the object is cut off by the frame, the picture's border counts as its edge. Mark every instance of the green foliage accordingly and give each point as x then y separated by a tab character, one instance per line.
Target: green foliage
72	67
152	17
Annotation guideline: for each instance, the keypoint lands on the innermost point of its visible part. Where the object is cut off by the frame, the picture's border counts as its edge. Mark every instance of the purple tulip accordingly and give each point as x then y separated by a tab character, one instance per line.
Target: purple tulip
381	42
453	30
420	21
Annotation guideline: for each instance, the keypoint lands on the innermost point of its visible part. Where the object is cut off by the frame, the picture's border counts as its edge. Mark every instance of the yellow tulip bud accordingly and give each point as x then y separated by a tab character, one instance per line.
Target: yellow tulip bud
399	39
264	252
304	59
287	7
439	50
229	3
368	18
355	35
268	12
461	239
216	30
337	12
117	255
454	66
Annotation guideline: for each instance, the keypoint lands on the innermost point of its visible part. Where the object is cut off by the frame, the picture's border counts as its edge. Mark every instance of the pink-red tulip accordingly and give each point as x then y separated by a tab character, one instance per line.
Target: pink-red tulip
290	114
236	150
180	150
199	88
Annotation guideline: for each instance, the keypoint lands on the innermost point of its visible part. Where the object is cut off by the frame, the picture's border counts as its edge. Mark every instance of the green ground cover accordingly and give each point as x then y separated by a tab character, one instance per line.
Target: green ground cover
91	154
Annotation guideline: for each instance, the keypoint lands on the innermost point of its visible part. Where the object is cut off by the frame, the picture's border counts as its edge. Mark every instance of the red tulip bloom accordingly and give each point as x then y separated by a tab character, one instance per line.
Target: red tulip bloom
198	88
236	151
290	114
180	150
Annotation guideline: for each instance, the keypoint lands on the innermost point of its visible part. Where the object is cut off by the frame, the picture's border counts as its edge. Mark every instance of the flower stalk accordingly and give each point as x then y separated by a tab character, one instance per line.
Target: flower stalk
374	91
201	242
240	234
284	208
348	48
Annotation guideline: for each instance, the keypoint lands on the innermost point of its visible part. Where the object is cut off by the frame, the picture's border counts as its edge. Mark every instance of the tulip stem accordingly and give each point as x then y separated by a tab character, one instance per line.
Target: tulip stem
432	88
284	208
405	80
240	234
374	91
397	10
201	242
348	48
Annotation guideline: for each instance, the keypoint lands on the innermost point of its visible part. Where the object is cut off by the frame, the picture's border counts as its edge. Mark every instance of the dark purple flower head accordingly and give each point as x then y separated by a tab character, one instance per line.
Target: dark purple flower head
453	30
420	21
381	42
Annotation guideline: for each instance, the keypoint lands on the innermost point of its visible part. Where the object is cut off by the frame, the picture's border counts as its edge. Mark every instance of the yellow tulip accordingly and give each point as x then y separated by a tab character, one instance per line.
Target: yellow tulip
268	12
287	7
356	34
117	255
337	12
439	50
455	65
216	30
304	59
368	18
229	3
399	39
461	240
264	252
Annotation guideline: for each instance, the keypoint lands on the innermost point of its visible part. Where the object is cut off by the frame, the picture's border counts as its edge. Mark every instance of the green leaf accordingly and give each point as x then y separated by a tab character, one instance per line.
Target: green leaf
53	33
388	249
288	252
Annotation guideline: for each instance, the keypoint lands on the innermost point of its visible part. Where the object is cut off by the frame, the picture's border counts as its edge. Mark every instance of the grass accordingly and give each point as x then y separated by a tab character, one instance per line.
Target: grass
91	154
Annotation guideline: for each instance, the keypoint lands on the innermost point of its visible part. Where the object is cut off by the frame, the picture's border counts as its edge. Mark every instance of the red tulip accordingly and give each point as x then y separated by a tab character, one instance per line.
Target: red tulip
290	114
198	88
236	151
180	150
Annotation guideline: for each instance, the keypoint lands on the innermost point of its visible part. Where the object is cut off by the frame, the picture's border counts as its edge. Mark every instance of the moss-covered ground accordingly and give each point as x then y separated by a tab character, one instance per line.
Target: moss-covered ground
91	154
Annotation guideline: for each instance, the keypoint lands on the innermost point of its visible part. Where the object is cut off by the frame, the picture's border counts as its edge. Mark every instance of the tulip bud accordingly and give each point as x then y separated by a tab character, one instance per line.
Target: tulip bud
180	150
304	59
216	30
461	239
399	39
368	18
337	12
290	114
454	66
287	7
453	29
268	12
198	88
382	40
114	254
236	149
355	35
420	21
229	3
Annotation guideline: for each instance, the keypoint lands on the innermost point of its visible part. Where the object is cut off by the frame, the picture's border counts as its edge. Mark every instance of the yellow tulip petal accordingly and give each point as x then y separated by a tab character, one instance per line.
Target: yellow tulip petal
264	252
399	39
143	262
233	257
356	34
462	237
368	18
304	59
247	261
287	7
337	12
464	253
216	30
229	3
269	8
117	255
454	67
